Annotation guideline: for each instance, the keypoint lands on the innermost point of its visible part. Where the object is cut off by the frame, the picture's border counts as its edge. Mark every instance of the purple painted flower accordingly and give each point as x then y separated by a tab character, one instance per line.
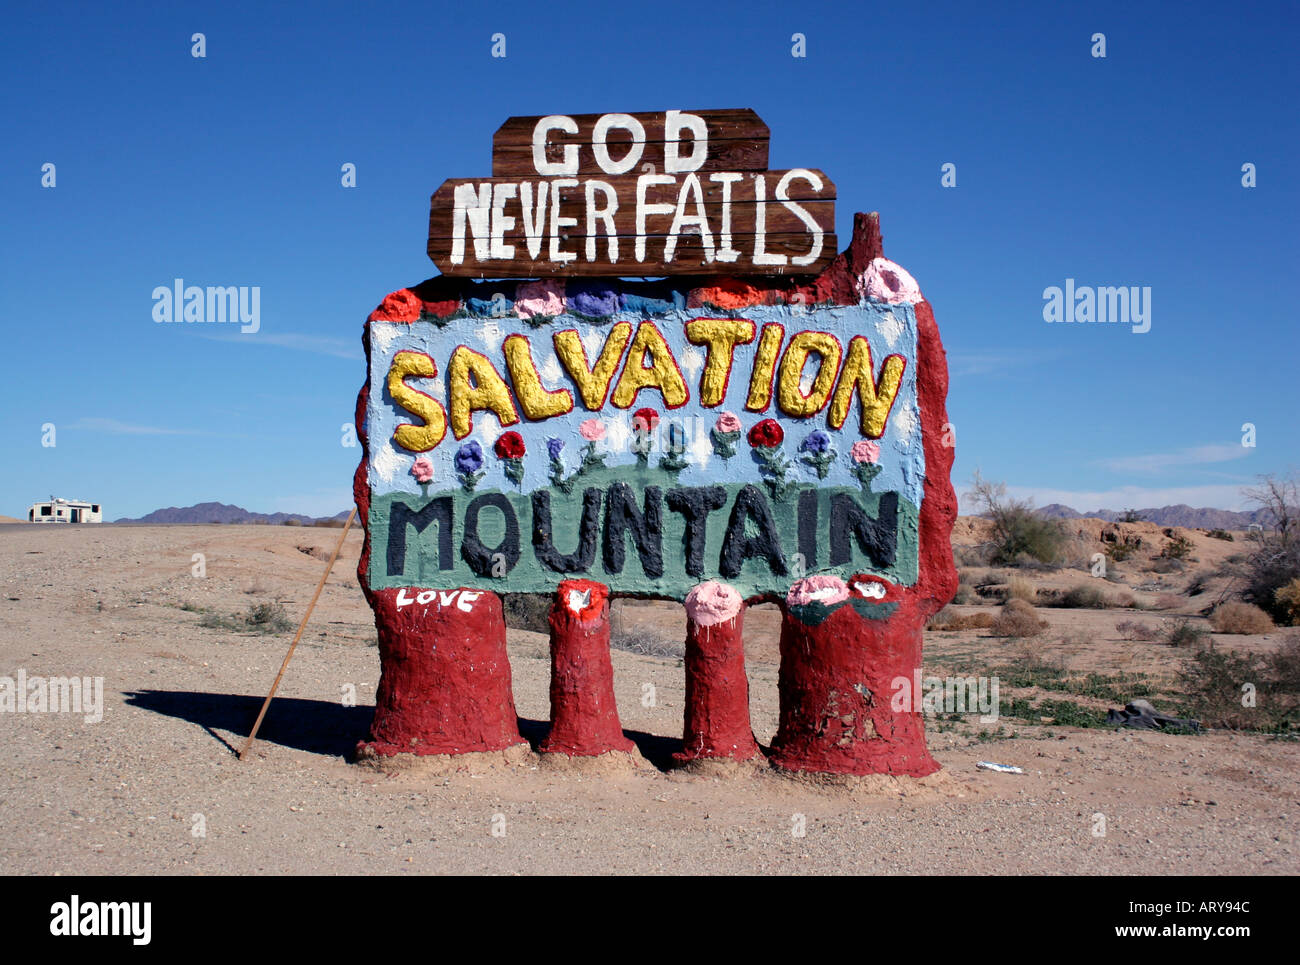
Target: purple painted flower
817	441
554	447
469	458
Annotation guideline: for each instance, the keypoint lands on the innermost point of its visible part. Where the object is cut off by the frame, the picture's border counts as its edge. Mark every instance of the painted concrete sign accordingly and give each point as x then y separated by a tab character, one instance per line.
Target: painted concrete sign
632	440
633	195
775	431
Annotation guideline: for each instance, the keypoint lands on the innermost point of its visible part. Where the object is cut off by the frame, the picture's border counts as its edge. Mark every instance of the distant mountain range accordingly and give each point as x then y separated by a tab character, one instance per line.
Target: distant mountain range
1181	515
225	513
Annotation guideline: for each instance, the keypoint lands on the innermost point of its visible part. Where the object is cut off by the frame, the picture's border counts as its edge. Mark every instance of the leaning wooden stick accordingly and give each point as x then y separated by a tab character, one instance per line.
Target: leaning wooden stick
298	636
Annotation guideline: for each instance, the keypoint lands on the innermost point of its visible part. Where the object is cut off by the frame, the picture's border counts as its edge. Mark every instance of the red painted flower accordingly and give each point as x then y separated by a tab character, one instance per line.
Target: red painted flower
645	420
510	446
400	306
766	433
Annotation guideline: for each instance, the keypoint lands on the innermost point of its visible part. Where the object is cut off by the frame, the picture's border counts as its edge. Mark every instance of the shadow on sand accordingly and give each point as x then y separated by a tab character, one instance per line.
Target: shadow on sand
322	727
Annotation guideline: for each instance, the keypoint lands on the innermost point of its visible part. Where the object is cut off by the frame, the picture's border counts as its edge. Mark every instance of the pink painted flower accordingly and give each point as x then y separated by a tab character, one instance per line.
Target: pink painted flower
826	589
864	451
711	603
885	281
400	306
545	298
422	469
727	422
592	430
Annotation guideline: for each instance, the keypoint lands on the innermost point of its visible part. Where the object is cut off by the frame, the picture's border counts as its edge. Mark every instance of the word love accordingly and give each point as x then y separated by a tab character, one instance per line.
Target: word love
810	372
633	194
464	599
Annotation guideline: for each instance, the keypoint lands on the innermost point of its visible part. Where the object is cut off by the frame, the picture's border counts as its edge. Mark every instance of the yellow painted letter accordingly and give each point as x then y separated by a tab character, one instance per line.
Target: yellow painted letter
411	437
876	401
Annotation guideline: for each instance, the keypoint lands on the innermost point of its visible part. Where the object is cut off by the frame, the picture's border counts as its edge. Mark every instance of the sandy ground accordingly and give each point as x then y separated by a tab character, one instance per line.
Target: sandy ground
154	788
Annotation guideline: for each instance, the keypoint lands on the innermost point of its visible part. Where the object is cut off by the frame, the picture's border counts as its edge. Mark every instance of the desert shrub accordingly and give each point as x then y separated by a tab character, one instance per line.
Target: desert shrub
649	641
1131	516
1287	599
1185	633
1178	548
1222	534
949	619
292	522
1021	589
1125	601
1018	619
1017	528
969	556
1119	552
258	618
1084	597
1136	630
965	594
1240	618
1162	565
1213	682
527	611
1167	601
1197	584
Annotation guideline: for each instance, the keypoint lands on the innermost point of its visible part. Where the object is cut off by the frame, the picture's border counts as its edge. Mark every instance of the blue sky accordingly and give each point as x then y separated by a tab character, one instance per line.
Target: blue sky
225	170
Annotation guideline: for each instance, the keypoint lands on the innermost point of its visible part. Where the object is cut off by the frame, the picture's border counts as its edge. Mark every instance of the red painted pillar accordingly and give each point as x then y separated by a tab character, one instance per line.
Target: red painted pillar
717	689
584	716
844	648
445	684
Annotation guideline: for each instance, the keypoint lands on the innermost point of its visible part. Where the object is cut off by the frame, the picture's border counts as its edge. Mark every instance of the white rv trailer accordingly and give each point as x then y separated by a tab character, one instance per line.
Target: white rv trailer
60	510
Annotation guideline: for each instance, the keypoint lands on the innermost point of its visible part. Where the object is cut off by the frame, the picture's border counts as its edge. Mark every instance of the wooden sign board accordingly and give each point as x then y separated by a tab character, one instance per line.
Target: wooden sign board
634	195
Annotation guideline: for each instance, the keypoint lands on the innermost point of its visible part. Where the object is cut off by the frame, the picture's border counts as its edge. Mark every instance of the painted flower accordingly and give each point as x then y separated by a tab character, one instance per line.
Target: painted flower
766	433
817	452
554	447
469	457
727	422
469	463
675	459
399	306
816	442
864	451
645	420
422	470
592	430
510	446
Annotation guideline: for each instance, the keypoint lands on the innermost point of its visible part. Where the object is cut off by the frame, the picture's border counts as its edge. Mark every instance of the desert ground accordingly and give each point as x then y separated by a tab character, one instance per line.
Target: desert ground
155	788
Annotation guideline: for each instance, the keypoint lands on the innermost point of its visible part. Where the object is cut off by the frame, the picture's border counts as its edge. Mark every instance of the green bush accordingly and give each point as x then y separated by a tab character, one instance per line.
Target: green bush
1185	633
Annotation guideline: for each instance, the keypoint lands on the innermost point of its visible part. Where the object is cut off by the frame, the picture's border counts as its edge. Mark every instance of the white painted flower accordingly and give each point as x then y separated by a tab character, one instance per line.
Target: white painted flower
891	329
617	434
692	360
382	335
386	463
492	335
550	369
593	340
905	422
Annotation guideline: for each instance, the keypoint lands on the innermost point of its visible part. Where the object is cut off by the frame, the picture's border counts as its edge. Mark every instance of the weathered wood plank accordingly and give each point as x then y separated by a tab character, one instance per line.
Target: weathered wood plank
689	257
738	140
